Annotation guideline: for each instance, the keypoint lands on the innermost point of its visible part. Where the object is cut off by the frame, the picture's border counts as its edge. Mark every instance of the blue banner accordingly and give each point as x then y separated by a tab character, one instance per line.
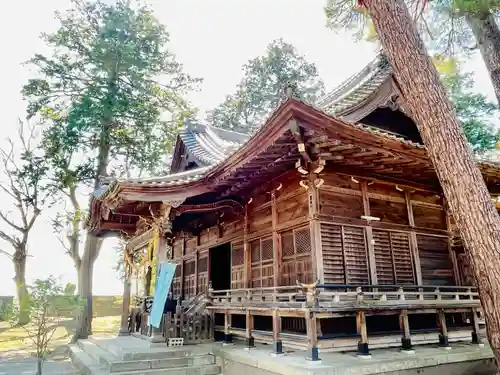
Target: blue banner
165	277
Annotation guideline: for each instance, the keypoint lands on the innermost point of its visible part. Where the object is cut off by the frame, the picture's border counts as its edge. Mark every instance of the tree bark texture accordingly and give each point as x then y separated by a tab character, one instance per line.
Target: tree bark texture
461	180
85	275
19	260
487	35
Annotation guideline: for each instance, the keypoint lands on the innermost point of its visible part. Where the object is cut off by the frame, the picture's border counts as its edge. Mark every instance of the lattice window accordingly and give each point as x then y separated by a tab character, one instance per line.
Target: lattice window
189	279
238	266
262	262
296	255
267	249
203	264
176	282
238	254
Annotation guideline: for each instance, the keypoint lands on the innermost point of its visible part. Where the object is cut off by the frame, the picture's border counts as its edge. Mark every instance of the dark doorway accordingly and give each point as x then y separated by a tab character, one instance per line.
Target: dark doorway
220	267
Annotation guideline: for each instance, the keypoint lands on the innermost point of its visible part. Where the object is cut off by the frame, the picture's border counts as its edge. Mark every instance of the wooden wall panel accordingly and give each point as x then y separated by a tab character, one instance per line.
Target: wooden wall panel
260	220
293	207
389	212
339	180
334	204
232	227
191	244
428	217
177	248
437	267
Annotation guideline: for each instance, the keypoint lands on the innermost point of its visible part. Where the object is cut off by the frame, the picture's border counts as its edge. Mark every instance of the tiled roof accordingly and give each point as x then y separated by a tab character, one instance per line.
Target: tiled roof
357	88
173	179
209	145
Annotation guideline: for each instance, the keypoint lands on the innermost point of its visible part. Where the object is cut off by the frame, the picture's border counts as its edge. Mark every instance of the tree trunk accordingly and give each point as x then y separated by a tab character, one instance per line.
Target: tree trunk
85	276
487	34
39	365
19	260
461	180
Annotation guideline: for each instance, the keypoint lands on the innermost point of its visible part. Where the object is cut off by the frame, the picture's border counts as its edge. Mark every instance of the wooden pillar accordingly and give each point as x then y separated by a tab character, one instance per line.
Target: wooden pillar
369	234
312	337
124	327
413	239
196	256
228	337
443	335
363	349
476	335
276	241
249	340
277	344
453	255
182	266
315	230
405	329
247	271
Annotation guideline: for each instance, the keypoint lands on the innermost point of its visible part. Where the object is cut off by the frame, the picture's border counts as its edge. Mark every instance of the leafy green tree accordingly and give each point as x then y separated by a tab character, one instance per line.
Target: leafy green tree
111	93
474	111
25	191
450	27
46	306
262	88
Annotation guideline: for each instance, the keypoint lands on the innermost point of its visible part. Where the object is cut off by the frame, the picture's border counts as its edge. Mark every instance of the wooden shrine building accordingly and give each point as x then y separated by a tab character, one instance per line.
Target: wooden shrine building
326	227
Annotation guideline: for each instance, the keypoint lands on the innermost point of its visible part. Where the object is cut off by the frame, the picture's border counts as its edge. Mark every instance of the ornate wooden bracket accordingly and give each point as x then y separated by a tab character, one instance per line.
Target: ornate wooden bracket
207	207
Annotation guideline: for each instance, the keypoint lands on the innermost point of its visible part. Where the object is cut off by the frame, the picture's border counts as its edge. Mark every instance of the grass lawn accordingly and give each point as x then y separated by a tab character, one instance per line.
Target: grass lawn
17	340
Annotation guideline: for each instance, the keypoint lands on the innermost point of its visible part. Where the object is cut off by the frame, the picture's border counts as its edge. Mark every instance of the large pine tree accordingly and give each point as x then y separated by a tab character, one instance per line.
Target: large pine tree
447	147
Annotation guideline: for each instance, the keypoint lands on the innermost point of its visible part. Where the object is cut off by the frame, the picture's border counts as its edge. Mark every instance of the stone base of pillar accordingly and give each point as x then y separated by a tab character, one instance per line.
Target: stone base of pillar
476	339
249	342
124	332
406	344
313	355
443	342
363	350
277	348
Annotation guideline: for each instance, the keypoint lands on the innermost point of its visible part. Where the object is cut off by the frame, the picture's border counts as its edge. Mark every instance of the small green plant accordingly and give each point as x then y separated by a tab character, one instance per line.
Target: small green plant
46	306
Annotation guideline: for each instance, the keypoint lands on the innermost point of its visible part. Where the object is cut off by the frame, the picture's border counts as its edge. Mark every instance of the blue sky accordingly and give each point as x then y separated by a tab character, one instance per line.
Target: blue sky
213	39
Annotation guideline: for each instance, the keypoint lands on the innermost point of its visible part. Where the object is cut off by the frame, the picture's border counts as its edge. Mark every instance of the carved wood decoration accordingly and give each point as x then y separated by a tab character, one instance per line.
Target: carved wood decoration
200	208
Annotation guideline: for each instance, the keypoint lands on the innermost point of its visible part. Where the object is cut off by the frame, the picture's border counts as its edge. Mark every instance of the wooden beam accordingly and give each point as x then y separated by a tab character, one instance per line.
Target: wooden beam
312	336
277	344
453	255
370	245
182	265
413	239
405	329
443	336
249	340
246	251
315	230
363	349
276	241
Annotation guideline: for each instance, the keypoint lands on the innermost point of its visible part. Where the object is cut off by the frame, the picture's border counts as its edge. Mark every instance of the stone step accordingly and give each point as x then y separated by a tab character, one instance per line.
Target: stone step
192	370
84	362
114	364
142	352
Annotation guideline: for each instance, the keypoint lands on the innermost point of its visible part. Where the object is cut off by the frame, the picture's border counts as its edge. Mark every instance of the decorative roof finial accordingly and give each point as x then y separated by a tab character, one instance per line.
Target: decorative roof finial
291	90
